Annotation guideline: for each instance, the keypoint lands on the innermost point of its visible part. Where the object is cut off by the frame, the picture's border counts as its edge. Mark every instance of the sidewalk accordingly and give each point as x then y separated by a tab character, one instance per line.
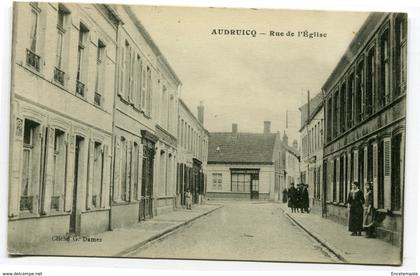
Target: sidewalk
123	240
336	238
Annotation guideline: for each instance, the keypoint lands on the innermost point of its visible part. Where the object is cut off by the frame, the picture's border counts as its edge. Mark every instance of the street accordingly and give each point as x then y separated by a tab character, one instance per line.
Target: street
242	230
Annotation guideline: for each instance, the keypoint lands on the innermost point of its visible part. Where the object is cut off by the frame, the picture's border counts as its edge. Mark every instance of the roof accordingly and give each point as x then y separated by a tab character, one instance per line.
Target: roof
187	109
151	42
315	104
292	150
226	147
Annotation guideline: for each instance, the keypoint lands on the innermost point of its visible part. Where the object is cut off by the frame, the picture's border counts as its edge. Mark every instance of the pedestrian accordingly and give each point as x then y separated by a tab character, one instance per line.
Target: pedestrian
291	197
305	198
355	201
369	212
298	198
284	199
188	197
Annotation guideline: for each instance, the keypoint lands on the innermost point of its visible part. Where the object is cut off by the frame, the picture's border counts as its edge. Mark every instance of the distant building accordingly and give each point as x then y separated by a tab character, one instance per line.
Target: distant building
289	171
312	141
365	116
192	150
246	165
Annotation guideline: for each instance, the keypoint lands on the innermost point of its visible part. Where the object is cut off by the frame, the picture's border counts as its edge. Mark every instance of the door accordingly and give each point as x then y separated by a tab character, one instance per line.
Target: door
73	216
255	186
146	203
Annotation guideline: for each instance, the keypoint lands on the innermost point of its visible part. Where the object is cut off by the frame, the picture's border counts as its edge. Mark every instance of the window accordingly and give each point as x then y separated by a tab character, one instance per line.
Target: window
370	82
336	114
343	107
59	170
384	91
30	165
329	119
32	58
381	177
100	72
98	158
217	181
61	30
401	53
350	91
359	92
149	92
80	85
139	82
241	182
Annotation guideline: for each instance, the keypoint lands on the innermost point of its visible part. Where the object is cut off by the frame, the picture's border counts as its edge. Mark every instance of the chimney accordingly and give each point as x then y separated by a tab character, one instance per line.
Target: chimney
234	128
267	127
200	113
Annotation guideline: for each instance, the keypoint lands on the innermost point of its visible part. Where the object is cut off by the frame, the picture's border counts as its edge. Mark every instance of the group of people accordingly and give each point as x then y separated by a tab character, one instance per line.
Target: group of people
361	213
297	198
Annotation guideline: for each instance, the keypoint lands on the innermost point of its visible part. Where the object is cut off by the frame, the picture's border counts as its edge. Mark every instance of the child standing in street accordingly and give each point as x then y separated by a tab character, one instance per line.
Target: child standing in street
188	198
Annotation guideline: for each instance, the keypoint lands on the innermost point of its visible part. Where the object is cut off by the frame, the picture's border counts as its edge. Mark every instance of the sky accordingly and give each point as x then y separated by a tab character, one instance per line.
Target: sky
244	79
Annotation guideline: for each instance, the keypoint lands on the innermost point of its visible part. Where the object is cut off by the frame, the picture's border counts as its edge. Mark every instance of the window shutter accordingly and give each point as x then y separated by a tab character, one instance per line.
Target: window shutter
105	177
49	174
91	157
365	167
117	169
348	175
140	170
131	172
337	181
375	175
332	179
387	173
121	67
70	173
16	168
356	165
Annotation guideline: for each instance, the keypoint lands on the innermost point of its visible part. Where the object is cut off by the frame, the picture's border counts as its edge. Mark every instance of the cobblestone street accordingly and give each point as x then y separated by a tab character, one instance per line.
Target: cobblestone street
239	231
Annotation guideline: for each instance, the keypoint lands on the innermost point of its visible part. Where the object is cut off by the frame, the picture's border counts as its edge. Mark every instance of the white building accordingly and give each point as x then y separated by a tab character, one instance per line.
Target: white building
312	140
63	72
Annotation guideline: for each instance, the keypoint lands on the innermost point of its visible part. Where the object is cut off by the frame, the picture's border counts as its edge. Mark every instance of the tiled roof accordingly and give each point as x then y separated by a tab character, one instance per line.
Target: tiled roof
226	147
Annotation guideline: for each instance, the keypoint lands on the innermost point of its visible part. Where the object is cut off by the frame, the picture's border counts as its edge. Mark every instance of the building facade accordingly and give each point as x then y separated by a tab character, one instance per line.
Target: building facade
244	165
312	139
365	103
193	141
143	132
63	68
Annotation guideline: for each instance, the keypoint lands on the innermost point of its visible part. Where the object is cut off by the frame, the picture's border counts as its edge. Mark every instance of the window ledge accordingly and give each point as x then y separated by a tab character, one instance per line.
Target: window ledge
122	203
92	210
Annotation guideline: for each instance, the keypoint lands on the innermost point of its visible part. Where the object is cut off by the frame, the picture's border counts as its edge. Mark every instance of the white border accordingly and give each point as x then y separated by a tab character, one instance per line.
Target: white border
108	266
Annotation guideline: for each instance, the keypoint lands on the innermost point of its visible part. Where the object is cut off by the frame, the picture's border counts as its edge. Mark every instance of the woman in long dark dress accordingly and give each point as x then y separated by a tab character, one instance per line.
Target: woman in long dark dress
291	197
355	201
